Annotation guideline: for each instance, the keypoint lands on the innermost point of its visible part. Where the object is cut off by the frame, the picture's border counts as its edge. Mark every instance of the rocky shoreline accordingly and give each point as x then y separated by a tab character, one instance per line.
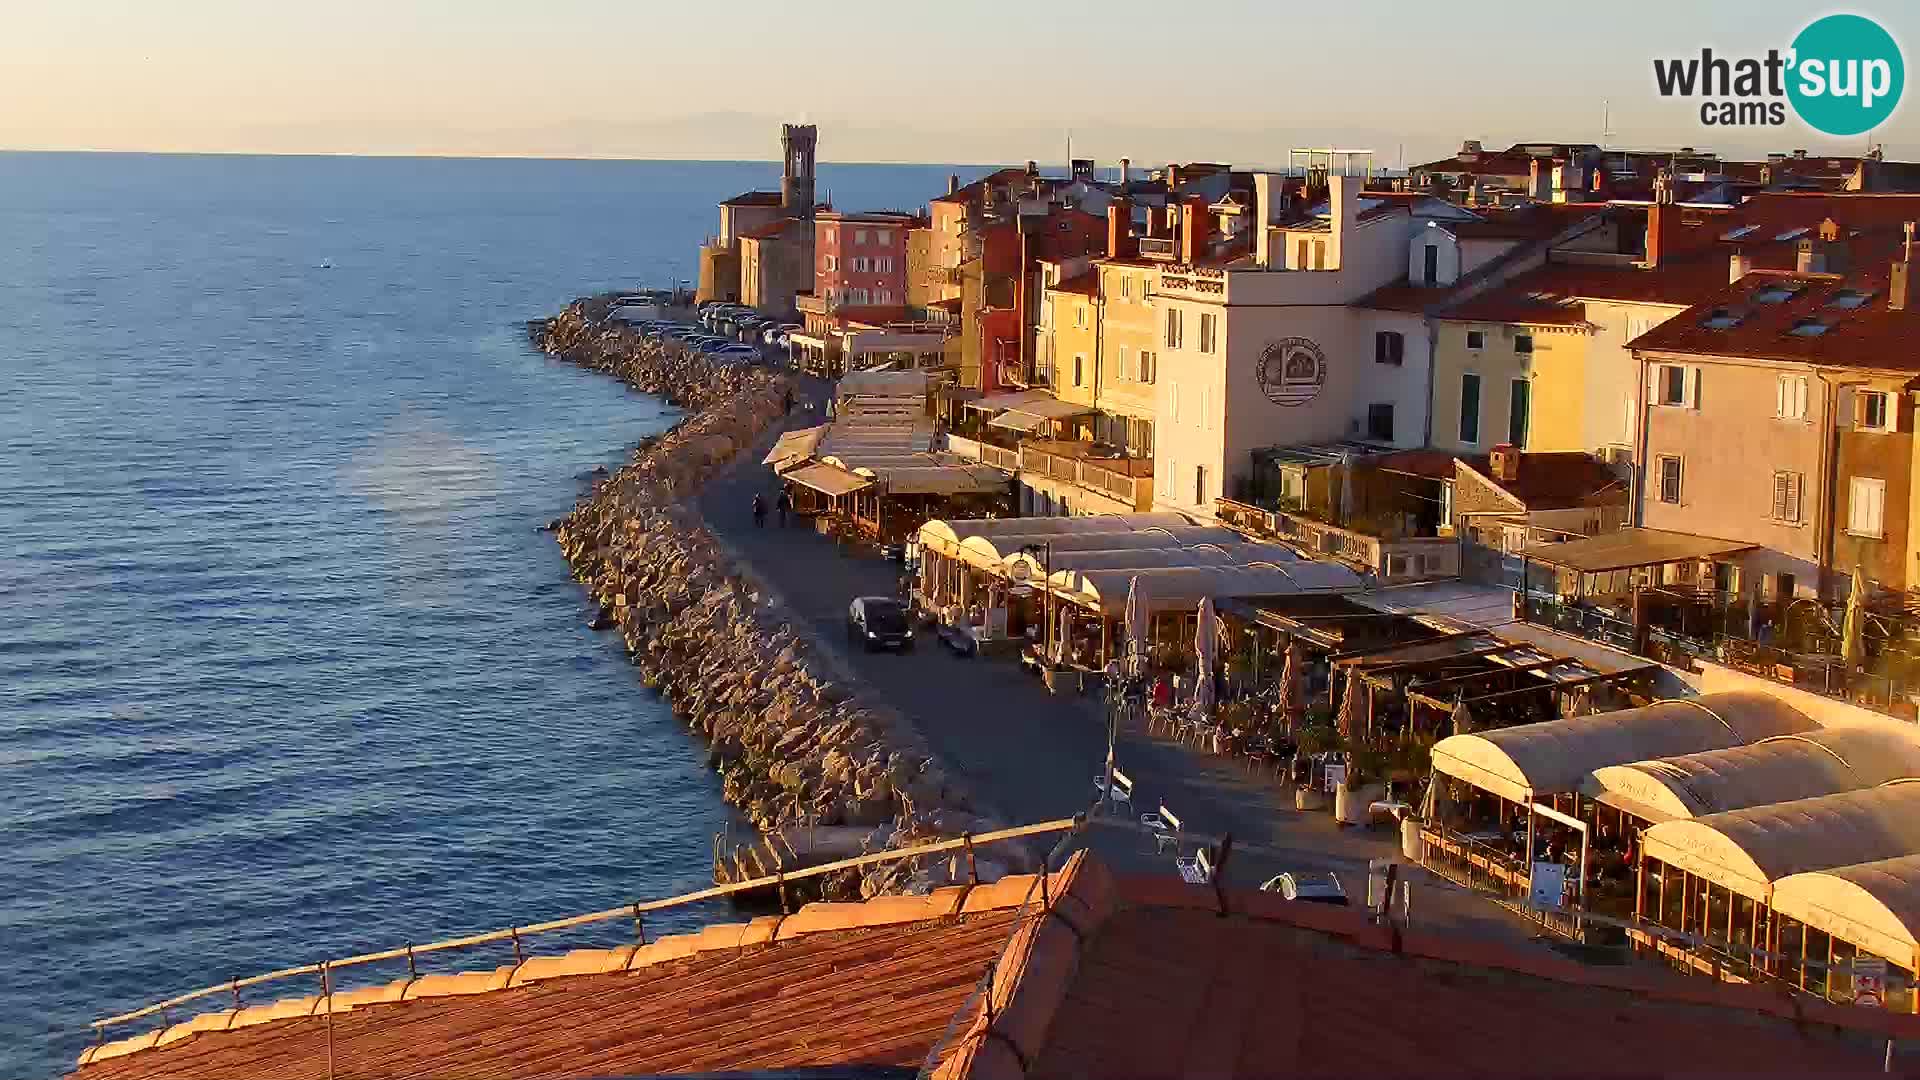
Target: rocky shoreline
793	742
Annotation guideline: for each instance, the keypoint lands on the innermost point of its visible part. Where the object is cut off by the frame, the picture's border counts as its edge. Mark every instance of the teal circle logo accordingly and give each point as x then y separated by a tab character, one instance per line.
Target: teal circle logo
1847	75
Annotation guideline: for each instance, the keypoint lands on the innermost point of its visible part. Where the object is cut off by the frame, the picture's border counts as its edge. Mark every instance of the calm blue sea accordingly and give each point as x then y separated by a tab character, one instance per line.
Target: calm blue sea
286	671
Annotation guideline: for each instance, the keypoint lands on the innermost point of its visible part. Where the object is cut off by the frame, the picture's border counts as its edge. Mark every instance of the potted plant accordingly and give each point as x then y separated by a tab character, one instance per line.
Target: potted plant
1364	785
1314	739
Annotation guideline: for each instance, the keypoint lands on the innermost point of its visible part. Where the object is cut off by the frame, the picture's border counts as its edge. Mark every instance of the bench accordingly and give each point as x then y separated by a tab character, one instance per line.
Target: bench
1166	829
1120	791
1197	870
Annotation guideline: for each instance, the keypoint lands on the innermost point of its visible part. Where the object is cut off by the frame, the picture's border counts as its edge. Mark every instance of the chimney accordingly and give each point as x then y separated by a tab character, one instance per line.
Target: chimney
1503	464
1193	229
1812	257
1120	240
1540	179
1265	202
953	183
1033	168
1739	266
1126	170
1660	217
1897	286
1173	176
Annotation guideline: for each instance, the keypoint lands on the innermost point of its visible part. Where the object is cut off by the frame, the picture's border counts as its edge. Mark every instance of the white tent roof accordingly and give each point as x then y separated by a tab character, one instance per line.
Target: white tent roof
884	383
945	536
1521	763
1167	588
1748	850
1779	769
1132	556
793	447
1874	905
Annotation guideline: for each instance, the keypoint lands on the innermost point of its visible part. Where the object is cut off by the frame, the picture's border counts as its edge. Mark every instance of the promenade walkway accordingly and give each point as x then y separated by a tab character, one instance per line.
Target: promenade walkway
1029	755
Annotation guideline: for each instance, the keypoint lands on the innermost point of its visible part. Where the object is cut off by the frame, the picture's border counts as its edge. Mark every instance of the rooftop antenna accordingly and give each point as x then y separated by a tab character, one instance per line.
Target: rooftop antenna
1606	123
1069	152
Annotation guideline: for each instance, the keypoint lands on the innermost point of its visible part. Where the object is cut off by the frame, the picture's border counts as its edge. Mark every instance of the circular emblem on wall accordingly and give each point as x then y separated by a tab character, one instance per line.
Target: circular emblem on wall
1292	371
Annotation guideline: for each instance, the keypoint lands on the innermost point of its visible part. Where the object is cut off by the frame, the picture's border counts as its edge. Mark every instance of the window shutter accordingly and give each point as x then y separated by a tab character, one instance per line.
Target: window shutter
1780	496
1653	384
1782	397
1693	388
1793	497
1847	407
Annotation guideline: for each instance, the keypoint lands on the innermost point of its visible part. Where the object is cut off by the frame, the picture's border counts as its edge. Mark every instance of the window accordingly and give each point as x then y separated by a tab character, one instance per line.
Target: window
1786	497
1380	422
859	237
1206	331
1523	344
1079	366
1469	408
1300	255
1389	347
1783	586
1431	271
1140	438
1149	366
1174	329
1079	317
1790	397
833	263
1199	485
886	265
1872	410
1319	254
882	237
1476	339
1518	408
1669	471
1126	287
1124	371
1670	382
1865	507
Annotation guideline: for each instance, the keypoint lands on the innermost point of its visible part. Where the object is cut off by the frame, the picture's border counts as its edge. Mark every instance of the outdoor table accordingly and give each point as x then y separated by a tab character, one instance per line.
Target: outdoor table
1389	808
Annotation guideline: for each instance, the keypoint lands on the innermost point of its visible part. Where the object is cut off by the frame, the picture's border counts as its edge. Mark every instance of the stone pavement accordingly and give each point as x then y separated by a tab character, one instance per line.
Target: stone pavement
1028	755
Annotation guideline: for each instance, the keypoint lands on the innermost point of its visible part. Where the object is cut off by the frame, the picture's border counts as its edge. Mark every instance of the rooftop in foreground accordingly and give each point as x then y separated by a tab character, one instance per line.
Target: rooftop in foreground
1133	976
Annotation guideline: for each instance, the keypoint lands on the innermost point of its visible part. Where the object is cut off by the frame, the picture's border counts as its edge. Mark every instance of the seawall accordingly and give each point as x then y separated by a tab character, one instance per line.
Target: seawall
792	736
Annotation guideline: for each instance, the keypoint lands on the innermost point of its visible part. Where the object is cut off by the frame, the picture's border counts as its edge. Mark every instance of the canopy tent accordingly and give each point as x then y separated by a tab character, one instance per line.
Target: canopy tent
1033	413
1628	548
934	479
1521	763
1135	558
882	383
829	480
1780	769
1748	850
1021	422
1183	587
946	536
994	553
1873	905
793	448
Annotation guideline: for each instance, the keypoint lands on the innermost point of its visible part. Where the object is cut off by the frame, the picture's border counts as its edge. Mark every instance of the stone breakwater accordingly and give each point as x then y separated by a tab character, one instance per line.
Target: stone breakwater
793	741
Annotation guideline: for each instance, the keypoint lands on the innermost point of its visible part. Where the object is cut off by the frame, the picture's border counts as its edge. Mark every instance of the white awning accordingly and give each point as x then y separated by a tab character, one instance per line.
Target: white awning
793	448
1014	420
829	480
1748	850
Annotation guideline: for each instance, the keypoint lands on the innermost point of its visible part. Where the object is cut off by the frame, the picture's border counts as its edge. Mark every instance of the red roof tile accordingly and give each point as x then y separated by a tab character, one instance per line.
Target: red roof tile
1524	302
1557	480
1768	307
1083	284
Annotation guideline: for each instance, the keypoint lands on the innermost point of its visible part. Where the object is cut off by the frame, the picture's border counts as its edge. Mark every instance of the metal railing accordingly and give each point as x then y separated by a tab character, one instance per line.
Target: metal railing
1000	457
634	911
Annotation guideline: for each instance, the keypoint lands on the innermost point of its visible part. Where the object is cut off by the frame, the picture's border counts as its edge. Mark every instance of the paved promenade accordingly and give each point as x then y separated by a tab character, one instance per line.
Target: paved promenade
1030	755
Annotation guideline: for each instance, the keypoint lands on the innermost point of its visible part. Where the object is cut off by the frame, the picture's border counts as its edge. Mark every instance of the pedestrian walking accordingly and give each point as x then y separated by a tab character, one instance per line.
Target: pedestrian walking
789	401
780	504
759	511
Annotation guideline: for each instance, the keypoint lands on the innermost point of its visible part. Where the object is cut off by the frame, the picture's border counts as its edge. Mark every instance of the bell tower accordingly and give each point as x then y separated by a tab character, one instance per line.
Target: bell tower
796	168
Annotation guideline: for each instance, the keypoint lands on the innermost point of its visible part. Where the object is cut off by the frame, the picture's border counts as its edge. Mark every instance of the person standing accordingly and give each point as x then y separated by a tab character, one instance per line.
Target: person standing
780	505
759	511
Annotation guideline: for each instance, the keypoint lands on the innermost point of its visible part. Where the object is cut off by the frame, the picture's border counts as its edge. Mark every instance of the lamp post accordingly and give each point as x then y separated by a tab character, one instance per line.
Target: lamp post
1045	550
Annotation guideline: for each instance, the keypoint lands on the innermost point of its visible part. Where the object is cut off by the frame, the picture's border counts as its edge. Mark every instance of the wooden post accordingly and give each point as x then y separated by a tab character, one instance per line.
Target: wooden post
1640	889
1803	956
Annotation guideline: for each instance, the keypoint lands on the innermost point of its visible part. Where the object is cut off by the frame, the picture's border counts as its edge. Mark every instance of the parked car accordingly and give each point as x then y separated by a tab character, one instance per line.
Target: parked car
1311	888
879	622
737	352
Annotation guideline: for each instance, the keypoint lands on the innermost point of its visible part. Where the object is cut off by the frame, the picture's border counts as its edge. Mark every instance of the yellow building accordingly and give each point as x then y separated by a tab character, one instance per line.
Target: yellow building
1502	374
1127	348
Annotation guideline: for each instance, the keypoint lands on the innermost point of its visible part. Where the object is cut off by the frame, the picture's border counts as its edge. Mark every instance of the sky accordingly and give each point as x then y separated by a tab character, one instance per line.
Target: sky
887	80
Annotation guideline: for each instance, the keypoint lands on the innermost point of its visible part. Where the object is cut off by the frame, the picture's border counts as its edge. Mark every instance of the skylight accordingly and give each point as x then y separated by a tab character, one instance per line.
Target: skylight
1793	234
1721	319
1740	233
1774	294
1808	328
1848	299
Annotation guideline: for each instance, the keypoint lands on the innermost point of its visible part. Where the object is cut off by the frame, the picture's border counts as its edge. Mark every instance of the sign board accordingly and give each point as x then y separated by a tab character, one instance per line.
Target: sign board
1870	981
1549	884
1336	776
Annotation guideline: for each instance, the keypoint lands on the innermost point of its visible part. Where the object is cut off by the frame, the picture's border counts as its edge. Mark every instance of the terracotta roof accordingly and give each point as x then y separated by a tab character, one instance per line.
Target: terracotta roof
970	194
1535	221
874	983
1772	312
1147	976
1433	464
754	198
1404	295
1558	480
1523	302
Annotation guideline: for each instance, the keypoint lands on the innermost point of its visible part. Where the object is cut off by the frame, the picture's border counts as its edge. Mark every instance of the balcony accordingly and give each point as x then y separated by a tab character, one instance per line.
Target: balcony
1389	558
1000	457
1156	247
809	304
1127	480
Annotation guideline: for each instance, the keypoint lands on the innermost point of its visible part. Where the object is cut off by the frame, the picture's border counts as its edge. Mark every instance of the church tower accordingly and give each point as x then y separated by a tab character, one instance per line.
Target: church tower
796	169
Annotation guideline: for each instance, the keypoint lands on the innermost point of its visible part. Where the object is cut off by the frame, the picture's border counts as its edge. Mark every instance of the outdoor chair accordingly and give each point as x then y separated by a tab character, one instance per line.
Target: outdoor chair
1119	793
1197	870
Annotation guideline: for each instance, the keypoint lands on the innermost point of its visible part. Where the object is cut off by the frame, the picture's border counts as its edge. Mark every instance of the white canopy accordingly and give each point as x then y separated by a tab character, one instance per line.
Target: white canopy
946	536
1875	906
882	383
1183	587
793	448
1748	850
1521	763
1779	769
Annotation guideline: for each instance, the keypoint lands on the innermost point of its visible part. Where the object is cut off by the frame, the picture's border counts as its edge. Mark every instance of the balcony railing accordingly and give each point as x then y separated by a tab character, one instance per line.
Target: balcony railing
1156	247
1402	558
1000	457
1093	474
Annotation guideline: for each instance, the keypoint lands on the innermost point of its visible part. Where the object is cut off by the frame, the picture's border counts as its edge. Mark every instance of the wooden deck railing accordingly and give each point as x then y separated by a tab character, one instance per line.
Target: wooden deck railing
633	911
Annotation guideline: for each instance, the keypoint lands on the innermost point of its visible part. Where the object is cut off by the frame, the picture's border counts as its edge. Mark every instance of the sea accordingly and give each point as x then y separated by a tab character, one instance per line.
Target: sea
287	672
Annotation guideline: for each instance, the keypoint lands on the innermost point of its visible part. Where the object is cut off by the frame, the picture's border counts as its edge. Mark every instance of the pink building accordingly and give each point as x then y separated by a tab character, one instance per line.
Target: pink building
860	260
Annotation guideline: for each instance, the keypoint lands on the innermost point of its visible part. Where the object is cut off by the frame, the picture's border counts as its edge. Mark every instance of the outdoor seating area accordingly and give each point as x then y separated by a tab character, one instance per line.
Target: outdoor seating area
1730	833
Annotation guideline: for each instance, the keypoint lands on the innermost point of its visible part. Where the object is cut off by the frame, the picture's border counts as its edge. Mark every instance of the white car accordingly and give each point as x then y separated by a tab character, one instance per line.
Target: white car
1312	888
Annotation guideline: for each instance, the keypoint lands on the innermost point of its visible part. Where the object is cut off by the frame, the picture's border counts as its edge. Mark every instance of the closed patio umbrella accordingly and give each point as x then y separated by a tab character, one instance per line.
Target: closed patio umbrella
1062	647
1205	649
1136	629
1853	645
1290	686
1351	707
1463	722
